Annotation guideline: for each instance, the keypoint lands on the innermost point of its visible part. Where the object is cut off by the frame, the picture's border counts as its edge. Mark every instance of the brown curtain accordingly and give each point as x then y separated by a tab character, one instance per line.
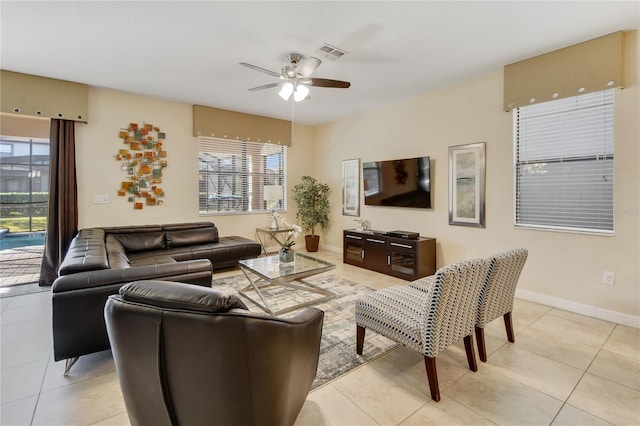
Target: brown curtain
62	223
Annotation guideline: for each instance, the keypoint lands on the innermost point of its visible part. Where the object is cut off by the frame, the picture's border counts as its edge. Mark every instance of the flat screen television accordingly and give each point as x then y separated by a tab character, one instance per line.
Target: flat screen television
398	183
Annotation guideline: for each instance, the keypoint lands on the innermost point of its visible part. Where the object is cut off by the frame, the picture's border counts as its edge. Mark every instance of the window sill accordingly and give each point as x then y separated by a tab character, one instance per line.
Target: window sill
566	230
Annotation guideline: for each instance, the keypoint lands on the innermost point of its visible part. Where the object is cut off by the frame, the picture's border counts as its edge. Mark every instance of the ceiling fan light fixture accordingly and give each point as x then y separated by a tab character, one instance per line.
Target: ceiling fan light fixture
295	78
286	91
300	93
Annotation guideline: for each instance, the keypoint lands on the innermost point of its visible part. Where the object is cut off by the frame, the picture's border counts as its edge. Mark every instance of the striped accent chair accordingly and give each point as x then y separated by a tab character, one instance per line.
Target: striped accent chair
498	293
427	321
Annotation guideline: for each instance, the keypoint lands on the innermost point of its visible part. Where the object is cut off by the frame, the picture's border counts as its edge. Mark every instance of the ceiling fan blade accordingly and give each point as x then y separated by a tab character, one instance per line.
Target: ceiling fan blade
323	82
257	68
308	66
267	86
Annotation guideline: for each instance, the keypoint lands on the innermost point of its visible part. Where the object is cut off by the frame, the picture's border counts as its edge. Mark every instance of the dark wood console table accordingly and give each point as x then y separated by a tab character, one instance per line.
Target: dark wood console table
398	257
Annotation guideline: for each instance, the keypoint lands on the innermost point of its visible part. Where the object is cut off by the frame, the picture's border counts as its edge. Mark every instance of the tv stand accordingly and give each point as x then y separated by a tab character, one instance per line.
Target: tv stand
398	257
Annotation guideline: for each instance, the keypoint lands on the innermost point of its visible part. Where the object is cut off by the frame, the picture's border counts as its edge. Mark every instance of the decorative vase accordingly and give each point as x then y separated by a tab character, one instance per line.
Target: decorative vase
274	223
287	256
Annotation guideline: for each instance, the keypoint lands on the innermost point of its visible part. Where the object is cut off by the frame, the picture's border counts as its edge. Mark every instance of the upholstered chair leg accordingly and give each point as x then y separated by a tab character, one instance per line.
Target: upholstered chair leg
359	339
432	375
471	355
508	323
482	349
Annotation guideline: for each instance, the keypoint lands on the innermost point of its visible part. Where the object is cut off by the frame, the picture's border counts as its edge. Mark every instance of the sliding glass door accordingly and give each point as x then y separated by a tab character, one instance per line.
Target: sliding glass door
24	184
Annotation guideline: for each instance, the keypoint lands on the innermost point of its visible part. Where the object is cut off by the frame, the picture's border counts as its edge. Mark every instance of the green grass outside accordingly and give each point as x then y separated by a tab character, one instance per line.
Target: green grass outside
21	224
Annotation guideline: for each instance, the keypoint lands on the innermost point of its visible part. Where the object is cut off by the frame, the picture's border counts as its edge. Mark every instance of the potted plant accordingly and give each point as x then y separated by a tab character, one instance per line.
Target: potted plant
312	198
286	254
363	225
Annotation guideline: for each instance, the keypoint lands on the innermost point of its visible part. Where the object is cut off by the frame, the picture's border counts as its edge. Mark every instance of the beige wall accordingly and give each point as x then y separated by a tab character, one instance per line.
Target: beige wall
99	173
564	269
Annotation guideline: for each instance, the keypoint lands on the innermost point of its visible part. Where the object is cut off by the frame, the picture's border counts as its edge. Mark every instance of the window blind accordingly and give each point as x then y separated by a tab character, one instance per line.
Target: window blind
564	163
233	176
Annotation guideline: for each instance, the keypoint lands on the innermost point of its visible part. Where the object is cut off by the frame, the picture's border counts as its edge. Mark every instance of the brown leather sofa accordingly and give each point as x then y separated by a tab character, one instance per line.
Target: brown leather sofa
101	260
188	355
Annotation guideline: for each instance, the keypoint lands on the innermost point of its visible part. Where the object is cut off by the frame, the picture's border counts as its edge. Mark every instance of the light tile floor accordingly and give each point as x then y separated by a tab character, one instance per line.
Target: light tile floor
564	369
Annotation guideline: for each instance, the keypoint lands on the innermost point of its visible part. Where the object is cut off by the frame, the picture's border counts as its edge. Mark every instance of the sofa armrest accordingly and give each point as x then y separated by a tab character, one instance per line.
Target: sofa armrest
86	252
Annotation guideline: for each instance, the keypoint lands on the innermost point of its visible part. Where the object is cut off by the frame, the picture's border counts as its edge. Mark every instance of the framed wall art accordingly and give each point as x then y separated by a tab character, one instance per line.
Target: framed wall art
467	184
351	187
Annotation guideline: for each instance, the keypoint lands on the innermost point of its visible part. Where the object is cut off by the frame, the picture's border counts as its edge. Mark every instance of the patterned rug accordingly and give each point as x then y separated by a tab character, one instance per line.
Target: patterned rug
338	346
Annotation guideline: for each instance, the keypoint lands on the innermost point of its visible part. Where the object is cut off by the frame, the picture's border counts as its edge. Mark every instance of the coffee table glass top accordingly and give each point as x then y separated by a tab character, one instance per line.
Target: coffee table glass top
270	268
271	272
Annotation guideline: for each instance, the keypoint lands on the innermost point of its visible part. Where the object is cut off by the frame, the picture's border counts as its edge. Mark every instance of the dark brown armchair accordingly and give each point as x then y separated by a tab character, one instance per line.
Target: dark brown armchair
188	355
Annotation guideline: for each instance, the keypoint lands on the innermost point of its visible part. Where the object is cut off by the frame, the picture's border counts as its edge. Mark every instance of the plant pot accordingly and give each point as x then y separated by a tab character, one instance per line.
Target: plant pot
286	256
312	242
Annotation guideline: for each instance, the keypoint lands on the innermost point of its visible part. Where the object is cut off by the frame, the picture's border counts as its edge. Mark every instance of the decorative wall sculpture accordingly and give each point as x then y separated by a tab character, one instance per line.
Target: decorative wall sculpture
143	160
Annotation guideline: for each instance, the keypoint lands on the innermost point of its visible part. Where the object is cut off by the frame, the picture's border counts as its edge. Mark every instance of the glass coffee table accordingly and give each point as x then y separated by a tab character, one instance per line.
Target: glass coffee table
266	272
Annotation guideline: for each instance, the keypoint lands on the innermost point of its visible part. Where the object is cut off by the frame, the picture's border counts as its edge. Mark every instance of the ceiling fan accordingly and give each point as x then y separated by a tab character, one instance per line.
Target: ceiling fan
295	78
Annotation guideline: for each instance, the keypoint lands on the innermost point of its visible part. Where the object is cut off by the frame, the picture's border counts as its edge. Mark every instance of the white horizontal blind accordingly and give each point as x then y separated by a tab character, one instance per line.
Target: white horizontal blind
564	163
232	175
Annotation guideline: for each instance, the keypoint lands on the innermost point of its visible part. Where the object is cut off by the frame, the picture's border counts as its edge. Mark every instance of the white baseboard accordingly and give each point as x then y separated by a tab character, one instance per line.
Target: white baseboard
334	249
555	302
580	308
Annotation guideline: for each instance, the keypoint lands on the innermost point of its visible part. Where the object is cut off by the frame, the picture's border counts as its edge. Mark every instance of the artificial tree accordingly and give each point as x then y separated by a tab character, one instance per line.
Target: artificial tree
312	198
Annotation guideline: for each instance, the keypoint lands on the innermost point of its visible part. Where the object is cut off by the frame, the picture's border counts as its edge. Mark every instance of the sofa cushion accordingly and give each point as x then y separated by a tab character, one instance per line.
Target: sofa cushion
155	259
190	225
115	254
226	252
173	295
189	237
141	241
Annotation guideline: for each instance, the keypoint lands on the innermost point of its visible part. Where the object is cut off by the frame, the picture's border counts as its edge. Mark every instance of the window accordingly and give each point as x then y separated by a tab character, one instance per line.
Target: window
235	176
24	187
371	177
6	149
564	164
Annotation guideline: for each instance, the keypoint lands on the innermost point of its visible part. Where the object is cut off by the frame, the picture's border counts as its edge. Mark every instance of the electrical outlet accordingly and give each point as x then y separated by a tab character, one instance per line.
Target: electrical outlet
608	278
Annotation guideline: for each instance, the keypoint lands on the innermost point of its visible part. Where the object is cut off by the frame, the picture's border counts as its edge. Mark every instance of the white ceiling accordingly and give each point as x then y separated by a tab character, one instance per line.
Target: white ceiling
189	51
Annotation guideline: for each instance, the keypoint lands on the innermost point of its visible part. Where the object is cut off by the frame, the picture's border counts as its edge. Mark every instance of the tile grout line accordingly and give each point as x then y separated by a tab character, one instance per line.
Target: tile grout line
460	402
527	385
35	407
352	401
584	372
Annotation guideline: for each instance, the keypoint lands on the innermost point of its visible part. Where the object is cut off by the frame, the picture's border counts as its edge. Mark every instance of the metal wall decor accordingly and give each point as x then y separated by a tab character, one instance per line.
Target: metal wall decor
143	160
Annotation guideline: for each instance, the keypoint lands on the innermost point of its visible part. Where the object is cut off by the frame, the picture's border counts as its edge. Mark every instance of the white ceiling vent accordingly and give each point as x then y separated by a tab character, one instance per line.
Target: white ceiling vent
331	52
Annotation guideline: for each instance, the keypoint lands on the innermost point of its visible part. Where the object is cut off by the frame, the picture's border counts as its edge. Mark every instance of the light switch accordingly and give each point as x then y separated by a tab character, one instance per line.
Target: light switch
100	199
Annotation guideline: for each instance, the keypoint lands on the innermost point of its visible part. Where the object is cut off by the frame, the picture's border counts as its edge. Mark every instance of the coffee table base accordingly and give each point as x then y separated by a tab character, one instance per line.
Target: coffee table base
303	286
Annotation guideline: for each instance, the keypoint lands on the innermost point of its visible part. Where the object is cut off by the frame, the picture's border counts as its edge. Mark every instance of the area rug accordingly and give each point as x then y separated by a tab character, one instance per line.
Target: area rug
338	346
